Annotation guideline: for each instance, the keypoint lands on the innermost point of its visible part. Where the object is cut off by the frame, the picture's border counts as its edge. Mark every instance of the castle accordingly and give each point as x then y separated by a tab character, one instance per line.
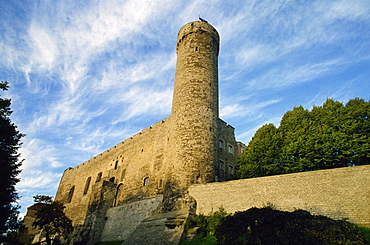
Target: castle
191	146
142	190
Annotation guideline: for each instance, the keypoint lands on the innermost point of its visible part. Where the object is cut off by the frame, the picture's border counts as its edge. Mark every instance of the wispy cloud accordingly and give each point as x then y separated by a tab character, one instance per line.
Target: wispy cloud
86	75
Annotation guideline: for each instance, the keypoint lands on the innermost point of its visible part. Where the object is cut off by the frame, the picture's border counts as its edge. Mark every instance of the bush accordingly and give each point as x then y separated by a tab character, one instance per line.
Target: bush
269	226
206	225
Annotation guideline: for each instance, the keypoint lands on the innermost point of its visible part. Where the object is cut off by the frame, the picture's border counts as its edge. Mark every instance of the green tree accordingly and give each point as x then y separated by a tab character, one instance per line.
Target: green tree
9	164
261	157
51	218
328	136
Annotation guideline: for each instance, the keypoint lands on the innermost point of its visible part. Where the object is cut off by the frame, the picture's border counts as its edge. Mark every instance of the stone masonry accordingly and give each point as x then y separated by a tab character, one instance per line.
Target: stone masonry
342	193
191	146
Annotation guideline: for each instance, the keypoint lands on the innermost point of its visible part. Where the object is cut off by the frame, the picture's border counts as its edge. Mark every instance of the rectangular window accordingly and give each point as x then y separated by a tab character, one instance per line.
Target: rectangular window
222	165
221	144
230	149
231	170
160	184
146	181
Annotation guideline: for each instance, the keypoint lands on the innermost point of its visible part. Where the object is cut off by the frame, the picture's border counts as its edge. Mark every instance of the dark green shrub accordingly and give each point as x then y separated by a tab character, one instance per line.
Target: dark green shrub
206	225
201	240
269	226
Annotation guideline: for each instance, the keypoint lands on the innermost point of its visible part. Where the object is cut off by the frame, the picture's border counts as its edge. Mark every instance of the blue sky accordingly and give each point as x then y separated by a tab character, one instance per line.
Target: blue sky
86	75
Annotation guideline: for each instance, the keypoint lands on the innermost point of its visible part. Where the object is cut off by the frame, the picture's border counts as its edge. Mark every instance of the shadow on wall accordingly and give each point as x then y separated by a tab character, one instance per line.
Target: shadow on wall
103	198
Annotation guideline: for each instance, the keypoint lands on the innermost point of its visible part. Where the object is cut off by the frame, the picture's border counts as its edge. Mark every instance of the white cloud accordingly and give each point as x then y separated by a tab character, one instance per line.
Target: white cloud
39	179
249	109
38	154
146	101
88	74
45	50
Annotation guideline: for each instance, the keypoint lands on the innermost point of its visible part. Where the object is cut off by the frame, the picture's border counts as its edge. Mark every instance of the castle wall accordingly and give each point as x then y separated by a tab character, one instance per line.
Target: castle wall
136	166
227	152
147	154
336	193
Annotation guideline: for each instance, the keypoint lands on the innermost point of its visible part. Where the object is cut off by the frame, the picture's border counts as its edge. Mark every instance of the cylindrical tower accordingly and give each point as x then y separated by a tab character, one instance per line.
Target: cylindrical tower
195	104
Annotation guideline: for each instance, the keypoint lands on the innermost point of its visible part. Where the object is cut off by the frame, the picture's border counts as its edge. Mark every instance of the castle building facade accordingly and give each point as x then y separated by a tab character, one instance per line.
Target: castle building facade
191	146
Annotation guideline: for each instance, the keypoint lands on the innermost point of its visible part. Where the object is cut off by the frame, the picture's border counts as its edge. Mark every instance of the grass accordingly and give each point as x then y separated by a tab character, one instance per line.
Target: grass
109	243
366	232
200	240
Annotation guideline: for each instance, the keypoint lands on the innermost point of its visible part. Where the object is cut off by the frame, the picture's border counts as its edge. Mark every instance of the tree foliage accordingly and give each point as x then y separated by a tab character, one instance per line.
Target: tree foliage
9	164
327	136
51	219
269	226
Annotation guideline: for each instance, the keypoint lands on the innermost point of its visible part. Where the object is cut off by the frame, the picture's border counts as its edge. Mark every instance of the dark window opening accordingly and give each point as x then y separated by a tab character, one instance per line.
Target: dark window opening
116	165
99	176
70	194
160	184
146	181
112	179
87	184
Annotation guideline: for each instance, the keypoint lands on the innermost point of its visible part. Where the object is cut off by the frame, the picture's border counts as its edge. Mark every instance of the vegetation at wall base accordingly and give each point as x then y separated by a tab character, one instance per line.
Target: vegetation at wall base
270	226
200	239
329	136
365	232
109	243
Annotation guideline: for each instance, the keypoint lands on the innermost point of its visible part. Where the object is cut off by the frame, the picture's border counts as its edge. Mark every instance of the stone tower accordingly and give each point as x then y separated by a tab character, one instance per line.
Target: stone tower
141	185
195	104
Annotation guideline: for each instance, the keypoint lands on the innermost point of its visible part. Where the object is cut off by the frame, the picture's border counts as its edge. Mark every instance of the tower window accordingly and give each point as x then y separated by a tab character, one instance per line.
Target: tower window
87	184
146	181
116	165
196	49
112	179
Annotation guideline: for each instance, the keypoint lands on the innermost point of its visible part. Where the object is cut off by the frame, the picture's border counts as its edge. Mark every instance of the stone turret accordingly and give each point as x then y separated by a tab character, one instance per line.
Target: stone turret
195	104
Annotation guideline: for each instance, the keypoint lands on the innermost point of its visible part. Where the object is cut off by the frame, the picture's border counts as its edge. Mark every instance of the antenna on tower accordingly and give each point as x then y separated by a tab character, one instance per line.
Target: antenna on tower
202	19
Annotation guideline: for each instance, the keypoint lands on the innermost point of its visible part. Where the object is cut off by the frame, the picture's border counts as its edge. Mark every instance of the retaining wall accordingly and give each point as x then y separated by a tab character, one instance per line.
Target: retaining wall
337	193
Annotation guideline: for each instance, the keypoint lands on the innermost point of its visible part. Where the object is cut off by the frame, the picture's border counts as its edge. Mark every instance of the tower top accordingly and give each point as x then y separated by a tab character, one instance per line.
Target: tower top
198	27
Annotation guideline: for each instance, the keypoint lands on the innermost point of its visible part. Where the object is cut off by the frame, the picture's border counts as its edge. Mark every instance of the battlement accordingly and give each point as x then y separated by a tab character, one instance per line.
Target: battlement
142	133
198	27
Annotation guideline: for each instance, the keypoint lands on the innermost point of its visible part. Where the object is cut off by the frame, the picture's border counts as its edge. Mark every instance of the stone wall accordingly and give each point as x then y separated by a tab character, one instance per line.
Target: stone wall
137	166
336	193
123	220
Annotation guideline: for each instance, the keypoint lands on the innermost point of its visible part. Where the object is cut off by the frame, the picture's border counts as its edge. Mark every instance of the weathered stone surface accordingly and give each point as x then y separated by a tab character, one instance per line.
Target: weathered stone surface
337	193
165	228
121	221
